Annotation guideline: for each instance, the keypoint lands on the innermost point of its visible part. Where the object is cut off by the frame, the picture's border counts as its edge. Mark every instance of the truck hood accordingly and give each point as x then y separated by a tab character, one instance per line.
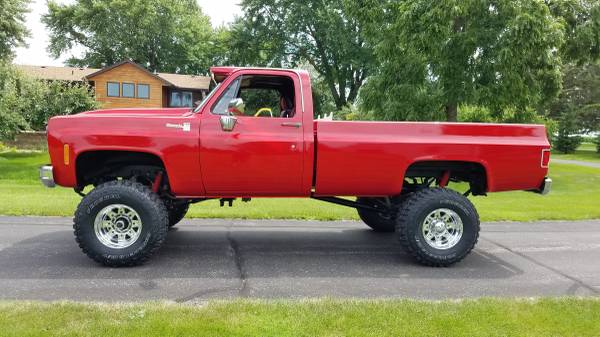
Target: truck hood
138	112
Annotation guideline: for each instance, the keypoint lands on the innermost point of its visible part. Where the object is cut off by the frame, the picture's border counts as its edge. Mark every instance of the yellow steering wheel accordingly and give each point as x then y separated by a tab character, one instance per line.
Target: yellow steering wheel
261	110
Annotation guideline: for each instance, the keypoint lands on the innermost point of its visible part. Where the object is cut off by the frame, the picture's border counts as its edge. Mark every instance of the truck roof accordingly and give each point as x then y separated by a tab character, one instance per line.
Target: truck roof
220	73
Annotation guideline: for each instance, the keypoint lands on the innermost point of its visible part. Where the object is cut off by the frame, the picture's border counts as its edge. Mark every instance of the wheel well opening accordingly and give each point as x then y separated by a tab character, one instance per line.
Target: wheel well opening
459	171
96	167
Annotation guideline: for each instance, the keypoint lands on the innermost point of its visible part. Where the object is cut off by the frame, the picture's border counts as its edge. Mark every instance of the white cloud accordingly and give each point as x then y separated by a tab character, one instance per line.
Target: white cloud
220	12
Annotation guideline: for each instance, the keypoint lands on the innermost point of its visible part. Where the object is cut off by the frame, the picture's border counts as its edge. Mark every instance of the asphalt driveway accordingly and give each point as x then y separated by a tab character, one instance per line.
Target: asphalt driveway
205	259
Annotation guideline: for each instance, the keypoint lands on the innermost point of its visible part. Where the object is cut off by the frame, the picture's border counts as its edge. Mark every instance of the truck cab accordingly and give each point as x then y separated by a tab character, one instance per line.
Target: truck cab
263	143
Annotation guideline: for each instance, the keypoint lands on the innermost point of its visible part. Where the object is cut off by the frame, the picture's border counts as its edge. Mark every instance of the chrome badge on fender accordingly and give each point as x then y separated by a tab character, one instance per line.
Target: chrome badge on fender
185	126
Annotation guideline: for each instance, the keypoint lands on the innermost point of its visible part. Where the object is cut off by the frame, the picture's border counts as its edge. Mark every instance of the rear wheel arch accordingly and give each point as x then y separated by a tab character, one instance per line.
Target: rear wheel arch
474	173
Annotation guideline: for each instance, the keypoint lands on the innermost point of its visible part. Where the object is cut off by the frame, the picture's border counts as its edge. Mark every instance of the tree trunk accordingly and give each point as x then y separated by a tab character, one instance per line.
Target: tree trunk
451	112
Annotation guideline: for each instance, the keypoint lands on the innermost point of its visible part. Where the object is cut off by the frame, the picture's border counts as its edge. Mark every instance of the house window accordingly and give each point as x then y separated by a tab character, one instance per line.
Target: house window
112	89
143	91
181	98
128	90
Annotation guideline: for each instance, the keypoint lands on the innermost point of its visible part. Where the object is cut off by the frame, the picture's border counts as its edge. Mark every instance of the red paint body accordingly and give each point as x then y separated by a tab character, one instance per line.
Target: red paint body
262	157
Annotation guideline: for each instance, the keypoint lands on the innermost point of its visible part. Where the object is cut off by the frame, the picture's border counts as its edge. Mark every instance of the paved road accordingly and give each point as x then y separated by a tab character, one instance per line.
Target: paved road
290	259
576	162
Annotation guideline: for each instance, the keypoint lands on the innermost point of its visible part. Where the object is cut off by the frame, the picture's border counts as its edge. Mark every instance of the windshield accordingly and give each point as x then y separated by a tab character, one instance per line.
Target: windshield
201	105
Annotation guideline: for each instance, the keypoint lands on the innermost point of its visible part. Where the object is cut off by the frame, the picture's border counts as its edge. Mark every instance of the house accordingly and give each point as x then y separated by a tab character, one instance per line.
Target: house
129	85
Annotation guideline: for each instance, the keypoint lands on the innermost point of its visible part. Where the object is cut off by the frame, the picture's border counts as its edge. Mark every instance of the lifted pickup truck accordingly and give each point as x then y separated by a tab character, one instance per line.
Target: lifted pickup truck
254	136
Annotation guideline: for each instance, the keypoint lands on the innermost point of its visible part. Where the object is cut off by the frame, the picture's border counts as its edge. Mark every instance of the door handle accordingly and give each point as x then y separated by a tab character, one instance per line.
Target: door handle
291	124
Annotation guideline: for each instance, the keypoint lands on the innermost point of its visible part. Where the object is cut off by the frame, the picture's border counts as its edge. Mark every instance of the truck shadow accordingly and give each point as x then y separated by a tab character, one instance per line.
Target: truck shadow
197	252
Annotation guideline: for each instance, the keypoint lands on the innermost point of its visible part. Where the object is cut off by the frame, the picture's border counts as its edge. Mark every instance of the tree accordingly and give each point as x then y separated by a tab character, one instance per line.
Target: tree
435	56
325	34
58	98
581	22
566	139
26	103
11	120
162	35
580	97
12	26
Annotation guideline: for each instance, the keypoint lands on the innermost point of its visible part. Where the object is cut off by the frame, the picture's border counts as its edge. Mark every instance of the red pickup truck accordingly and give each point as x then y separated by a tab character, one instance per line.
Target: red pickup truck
254	135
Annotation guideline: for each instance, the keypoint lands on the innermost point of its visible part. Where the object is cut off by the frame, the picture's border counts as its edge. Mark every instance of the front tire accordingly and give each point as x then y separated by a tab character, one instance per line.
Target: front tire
120	223
437	226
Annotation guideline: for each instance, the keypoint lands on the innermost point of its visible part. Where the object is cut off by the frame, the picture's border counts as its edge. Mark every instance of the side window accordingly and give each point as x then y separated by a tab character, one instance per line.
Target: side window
180	99
220	108
128	90
112	89
143	91
262	95
186	98
175	99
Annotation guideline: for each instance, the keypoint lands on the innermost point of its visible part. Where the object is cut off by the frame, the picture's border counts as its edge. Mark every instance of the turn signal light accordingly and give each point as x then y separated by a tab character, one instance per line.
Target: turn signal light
545	158
66	154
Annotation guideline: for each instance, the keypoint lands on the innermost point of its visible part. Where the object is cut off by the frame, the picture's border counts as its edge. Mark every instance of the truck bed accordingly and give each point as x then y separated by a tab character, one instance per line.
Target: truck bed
371	158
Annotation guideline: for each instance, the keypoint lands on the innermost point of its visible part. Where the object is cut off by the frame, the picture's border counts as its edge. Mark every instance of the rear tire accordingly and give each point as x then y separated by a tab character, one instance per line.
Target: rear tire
380	222
120	223
437	226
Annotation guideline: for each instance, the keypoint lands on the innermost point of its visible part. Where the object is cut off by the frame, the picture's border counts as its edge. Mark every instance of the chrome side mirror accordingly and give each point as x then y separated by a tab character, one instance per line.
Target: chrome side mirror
236	106
227	122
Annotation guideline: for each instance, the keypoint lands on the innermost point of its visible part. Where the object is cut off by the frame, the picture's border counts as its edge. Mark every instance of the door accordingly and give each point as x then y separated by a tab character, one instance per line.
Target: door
262	155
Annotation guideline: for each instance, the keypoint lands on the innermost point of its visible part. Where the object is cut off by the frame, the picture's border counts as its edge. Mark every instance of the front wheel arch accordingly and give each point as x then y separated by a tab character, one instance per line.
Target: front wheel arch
96	167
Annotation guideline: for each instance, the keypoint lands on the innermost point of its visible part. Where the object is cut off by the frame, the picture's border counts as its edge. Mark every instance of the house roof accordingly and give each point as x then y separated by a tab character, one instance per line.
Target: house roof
186	81
116	65
56	73
78	74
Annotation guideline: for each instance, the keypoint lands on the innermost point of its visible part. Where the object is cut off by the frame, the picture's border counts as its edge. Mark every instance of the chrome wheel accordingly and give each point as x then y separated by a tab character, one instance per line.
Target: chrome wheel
118	226
442	228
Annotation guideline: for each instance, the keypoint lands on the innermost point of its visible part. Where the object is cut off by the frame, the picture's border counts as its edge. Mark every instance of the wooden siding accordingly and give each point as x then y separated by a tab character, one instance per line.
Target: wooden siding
128	73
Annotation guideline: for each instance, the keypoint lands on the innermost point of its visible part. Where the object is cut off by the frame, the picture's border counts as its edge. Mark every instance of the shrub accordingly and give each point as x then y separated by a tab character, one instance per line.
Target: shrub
60	98
11	120
566	140
475	114
351	112
26	103
598	143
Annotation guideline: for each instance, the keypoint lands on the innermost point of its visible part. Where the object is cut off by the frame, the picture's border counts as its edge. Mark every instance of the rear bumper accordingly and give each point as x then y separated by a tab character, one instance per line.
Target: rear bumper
545	187
46	176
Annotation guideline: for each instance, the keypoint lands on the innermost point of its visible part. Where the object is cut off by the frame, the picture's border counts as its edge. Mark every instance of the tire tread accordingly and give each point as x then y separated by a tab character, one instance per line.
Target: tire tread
158	232
411	205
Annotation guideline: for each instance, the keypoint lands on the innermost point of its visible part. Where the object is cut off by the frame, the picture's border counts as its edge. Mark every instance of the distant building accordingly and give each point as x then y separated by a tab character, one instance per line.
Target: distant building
129	85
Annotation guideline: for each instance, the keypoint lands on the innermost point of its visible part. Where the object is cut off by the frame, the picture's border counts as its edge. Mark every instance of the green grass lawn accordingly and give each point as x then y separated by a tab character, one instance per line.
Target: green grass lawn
575	195
483	317
585	152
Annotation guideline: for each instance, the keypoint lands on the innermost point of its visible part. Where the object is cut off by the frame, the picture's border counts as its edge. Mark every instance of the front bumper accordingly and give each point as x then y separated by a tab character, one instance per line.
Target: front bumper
46	176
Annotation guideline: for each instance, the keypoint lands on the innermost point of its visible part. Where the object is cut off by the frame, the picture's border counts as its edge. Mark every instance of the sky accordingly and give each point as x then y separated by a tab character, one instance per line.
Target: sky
220	12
